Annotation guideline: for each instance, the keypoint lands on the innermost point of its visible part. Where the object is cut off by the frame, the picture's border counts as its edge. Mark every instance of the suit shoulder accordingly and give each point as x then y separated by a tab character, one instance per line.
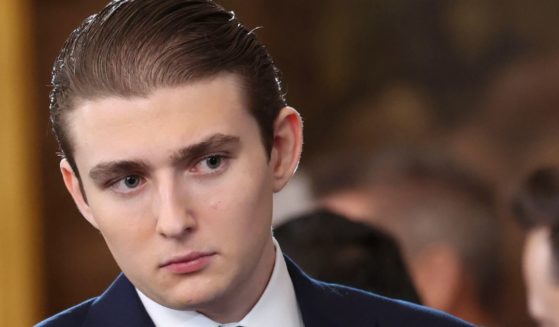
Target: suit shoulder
74	316
387	311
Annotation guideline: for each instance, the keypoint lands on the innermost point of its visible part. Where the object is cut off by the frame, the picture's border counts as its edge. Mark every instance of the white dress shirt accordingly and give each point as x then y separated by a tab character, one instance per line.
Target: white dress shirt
277	307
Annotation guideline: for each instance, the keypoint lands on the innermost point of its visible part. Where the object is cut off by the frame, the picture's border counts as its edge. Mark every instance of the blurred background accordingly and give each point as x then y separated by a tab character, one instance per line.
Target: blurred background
477	80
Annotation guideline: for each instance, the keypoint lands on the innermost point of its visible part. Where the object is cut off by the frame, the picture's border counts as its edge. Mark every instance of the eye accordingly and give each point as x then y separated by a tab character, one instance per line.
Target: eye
131	181
210	165
213	162
127	184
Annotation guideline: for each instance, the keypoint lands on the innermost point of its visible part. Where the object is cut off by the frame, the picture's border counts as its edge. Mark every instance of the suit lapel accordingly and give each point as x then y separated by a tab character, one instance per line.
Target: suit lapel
327	305
118	306
310	297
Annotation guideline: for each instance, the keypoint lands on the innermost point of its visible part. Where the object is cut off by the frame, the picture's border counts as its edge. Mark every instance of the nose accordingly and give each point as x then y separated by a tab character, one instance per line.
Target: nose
175	218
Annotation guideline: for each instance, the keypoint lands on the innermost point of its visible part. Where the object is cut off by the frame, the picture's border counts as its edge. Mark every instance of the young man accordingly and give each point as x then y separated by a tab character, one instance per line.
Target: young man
175	135
537	209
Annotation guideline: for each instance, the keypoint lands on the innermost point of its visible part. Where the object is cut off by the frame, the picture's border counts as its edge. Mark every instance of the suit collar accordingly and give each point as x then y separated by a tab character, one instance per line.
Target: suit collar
119	305
325	305
309	296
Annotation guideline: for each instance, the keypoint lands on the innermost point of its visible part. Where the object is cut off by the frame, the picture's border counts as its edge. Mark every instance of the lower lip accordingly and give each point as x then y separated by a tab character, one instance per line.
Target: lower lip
191	266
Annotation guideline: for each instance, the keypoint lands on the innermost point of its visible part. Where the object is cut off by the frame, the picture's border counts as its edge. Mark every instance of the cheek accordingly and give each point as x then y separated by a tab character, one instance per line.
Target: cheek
124	224
240	203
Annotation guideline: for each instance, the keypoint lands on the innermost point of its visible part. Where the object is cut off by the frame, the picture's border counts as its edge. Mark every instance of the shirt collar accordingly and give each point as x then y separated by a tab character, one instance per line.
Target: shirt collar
277	306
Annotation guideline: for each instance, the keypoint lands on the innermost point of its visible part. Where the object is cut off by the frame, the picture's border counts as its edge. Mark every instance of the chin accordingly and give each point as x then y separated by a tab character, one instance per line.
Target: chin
193	297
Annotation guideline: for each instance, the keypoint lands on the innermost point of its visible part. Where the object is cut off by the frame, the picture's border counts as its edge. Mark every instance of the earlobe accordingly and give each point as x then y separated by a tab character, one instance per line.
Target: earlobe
287	146
73	186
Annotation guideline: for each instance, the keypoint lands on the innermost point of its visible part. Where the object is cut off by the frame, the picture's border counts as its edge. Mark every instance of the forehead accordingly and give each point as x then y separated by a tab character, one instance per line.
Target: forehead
167	116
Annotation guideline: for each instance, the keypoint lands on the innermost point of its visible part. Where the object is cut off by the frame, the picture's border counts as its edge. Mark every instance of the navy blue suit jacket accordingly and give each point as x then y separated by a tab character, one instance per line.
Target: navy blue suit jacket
321	305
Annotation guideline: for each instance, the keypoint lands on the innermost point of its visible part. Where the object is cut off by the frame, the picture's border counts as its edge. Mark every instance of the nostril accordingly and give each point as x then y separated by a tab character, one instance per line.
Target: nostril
175	223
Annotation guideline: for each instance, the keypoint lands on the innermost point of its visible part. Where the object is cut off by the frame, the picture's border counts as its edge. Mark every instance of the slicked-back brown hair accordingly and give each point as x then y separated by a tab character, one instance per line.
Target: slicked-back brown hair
133	47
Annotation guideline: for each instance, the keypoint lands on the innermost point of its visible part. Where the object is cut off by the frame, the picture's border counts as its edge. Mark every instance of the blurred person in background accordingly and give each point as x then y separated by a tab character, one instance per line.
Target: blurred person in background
536	206
513	128
332	248
516	123
442	216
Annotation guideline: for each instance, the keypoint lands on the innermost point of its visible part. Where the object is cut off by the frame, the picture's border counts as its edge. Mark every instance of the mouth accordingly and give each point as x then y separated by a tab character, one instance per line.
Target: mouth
188	264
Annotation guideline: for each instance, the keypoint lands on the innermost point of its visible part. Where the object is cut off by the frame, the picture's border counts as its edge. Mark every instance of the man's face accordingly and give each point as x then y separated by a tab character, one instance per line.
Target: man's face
543	290
180	186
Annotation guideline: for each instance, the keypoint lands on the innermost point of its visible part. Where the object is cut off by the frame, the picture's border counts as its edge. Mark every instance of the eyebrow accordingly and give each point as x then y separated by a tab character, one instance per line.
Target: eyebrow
197	151
107	170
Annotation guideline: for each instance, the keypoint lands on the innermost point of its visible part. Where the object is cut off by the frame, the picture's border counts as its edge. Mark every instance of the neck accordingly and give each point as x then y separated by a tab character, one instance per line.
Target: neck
475	315
468	307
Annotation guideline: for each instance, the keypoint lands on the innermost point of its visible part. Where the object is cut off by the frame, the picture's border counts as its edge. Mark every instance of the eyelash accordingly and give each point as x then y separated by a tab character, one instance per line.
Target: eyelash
223	161
115	184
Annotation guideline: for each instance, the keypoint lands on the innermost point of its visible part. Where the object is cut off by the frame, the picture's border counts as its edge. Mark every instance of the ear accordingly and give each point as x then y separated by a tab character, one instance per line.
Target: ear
287	146
72	183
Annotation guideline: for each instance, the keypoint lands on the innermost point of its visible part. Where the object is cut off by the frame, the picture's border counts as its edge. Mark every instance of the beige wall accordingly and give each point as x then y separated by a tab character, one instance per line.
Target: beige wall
20	264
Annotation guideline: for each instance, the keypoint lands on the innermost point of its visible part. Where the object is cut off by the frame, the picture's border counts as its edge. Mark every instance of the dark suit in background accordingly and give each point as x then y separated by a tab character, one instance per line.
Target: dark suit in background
331	248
